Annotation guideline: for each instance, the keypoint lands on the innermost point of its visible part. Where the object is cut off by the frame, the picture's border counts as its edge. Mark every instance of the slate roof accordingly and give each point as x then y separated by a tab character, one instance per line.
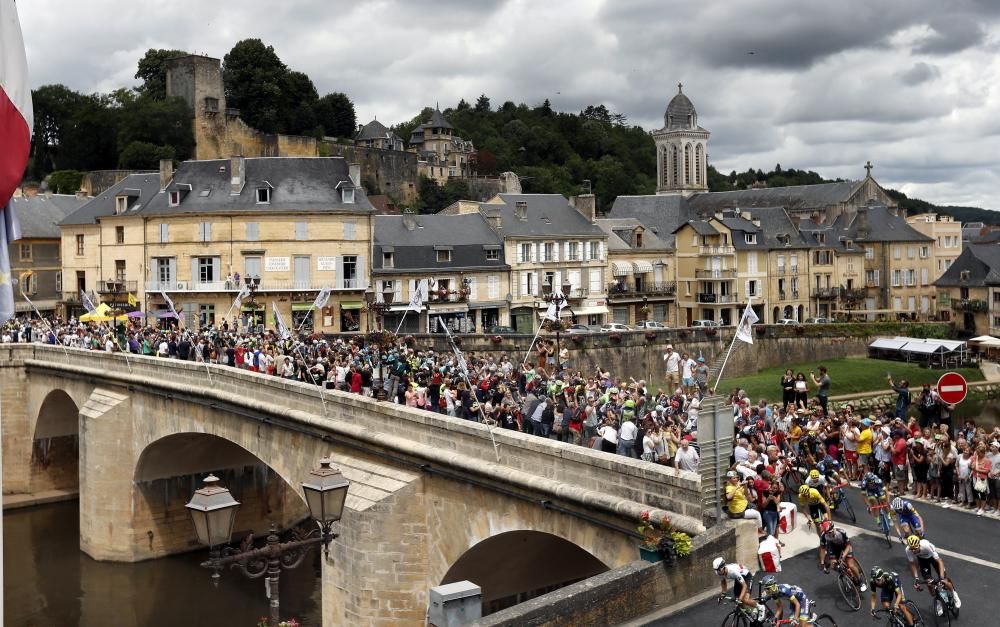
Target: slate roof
298	184
438	120
881	224
467	235
660	214
374	130
701	227
103	205
982	261
39	216
548	215
613	226
793	198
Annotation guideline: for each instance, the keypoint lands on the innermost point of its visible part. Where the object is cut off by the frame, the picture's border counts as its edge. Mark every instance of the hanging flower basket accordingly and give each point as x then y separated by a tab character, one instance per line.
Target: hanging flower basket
711	331
761	330
659	540
800	330
651	335
683	333
496	339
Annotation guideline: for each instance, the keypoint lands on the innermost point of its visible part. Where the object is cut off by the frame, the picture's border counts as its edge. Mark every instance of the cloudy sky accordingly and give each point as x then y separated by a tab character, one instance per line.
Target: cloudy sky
911	85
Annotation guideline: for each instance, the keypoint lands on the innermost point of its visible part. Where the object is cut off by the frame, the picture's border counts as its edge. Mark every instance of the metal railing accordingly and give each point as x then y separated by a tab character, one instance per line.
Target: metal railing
119	286
715	274
719	299
266	285
716	250
628	289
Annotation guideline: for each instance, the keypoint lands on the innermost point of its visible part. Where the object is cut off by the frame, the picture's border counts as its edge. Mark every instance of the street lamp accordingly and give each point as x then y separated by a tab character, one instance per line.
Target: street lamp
253	284
114	287
559	299
213	512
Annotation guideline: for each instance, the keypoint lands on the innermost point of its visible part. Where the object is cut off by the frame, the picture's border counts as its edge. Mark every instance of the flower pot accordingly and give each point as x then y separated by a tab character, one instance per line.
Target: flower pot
649	555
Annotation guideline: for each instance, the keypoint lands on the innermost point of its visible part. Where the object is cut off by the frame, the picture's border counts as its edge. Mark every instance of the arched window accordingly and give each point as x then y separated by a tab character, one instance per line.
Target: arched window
687	164
698	158
675	165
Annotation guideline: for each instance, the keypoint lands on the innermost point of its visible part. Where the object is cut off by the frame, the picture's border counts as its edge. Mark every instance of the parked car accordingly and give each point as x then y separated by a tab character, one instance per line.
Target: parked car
818	321
501	330
705	323
615	326
579	328
650	324
787	321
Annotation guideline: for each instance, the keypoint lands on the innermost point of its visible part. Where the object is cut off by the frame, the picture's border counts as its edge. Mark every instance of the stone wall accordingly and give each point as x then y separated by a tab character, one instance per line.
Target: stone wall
97	182
635	589
393	172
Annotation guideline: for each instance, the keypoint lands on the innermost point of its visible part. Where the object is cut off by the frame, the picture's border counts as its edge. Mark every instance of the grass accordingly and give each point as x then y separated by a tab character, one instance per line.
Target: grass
850	375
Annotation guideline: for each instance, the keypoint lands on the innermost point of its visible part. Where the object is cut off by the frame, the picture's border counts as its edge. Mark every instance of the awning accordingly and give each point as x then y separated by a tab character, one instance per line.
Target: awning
301	306
405	307
590	311
888	344
352	304
488	304
621	268
435	309
982	338
642	267
924	348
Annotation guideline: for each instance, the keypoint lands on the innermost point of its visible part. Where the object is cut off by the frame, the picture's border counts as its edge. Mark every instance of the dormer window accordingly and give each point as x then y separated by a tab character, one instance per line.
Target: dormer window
174	198
750	238
263	195
388	260
964	275
638	239
348	195
443	254
821	238
121	204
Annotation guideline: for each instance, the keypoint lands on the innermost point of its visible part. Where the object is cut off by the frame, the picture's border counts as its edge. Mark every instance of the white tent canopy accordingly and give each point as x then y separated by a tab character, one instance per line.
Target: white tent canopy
921	348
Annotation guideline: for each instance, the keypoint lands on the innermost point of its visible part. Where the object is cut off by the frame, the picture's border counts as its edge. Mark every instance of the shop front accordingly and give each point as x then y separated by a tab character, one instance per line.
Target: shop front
350	316
455	317
408	322
303	317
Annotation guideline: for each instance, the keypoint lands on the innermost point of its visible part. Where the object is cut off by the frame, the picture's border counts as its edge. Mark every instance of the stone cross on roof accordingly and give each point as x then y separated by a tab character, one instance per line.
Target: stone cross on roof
868	168
680	88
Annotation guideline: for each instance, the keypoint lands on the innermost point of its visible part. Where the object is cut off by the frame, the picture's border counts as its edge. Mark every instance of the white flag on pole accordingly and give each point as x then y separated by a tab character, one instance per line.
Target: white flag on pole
322	298
244	292
745	330
88	304
170	303
418	296
550	313
278	322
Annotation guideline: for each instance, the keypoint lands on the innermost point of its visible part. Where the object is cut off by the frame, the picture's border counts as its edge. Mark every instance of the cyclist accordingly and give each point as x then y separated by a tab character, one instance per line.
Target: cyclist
891	592
874	492
817	505
908	521
923	556
798	603
818	481
835	543
740	576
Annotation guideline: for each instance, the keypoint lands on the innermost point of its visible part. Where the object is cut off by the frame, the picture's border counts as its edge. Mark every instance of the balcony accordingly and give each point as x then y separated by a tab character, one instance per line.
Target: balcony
827	293
717	299
646	289
265	286
854	294
715	274
716	250
449	296
971	305
112	286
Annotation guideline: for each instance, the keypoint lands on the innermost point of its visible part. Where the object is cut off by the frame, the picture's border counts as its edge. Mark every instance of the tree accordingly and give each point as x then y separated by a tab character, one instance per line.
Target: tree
431	197
144	156
153	71
254	79
65	181
54	108
161	122
89	140
483	104
462	105
335	113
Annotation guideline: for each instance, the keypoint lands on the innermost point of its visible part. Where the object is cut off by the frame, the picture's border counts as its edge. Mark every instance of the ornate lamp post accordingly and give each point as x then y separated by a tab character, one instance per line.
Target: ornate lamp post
253	284
559	299
381	337
213	511
114	287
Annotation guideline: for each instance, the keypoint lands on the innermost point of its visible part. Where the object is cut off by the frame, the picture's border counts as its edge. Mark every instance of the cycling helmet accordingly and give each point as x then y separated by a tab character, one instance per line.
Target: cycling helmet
877	573
814	474
718	563
835	465
913	542
804	491
869	477
826	527
896	504
828	460
769	583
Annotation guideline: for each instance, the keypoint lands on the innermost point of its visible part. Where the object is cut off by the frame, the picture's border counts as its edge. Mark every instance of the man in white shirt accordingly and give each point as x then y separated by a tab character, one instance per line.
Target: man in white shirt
740	452
687	367
686	457
626	438
672	362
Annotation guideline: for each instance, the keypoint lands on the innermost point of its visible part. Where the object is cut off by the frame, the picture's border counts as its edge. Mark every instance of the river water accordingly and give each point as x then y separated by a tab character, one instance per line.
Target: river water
48	582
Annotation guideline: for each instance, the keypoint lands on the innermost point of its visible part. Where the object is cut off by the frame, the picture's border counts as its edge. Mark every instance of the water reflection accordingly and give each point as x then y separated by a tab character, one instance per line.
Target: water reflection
48	582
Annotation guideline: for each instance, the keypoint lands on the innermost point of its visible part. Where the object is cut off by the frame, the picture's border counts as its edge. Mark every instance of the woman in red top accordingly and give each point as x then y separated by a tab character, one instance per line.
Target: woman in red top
355	379
980	473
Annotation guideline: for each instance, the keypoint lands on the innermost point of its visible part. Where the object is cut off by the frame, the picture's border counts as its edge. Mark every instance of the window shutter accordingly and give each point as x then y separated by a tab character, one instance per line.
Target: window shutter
557	280
600	251
534	252
172	269
923	276
746	287
494	287
524	284
216	268
349	230
397	291
574	280
361	282
194	269
208	231
555	251
164	233
411	287
565	250
473	293
339	271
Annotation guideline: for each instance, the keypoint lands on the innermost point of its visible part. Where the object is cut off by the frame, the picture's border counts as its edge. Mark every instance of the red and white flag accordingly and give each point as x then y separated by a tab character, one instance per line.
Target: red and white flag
16	118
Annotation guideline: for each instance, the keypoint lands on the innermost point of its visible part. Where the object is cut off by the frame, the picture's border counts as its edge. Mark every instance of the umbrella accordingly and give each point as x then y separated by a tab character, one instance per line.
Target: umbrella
135	314
982	338
103	313
165	314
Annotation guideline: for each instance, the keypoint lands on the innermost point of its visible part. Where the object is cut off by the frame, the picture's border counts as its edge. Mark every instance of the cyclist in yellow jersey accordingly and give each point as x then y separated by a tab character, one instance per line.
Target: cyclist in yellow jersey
817	505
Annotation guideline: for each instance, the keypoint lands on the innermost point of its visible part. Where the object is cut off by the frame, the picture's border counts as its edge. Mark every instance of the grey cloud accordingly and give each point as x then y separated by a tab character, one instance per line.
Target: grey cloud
920	73
951	33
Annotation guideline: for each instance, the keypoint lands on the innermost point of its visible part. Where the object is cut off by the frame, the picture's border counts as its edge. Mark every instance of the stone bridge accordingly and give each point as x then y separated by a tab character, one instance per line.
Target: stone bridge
431	500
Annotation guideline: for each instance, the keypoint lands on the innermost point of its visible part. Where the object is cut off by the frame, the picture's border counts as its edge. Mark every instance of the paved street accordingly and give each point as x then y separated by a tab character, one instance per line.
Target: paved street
969	545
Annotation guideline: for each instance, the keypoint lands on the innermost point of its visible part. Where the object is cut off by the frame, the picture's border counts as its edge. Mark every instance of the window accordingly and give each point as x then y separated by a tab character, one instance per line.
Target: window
119	234
493	287
492	254
350	271
963	275
350	230
911	252
174	199
253	231
924	252
388	260
263	195
996	299
896	278
548	251
204	231
752	263
348	195
911	277
79	244
751	288
58	282
574	251
824	257
121	204
301	231
996	321
164	270
25	250
750	238
164	233
897	252
206	315
443	255
869	252
120	270
795	287
28	283
206	270
595	282
81	280
525	256
821	238
594	254
638	239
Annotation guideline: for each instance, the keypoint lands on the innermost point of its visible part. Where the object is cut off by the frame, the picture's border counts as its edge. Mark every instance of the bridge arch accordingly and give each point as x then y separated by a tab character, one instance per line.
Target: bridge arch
515	566
55	444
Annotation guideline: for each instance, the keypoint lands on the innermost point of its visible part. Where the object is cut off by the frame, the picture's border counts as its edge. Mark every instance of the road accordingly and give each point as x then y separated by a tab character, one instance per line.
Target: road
969	545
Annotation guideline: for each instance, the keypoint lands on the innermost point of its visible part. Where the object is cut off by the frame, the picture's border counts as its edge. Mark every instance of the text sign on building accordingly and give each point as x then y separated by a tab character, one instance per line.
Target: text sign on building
277	264
952	388
326	264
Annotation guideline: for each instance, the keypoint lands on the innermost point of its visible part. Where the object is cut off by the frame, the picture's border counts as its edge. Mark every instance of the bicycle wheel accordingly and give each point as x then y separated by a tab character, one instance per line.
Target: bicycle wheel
886	526
942	617
849	508
849	591
825	620
735	619
918	620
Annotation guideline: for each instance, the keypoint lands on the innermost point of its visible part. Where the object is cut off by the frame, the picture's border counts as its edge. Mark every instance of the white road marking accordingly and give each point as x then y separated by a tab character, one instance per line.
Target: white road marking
878	534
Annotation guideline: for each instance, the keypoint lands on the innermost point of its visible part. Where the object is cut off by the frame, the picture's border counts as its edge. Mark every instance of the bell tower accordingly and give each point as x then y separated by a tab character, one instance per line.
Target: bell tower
681	149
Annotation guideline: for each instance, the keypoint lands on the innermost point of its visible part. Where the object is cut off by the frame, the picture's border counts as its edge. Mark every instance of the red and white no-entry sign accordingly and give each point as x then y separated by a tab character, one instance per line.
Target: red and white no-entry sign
952	388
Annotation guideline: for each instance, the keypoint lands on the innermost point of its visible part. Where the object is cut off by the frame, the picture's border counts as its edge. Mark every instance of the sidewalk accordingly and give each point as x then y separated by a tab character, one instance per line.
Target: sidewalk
18	501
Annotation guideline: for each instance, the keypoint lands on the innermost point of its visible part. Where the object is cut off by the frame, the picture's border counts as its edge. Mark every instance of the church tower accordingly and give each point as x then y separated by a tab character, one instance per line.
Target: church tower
681	149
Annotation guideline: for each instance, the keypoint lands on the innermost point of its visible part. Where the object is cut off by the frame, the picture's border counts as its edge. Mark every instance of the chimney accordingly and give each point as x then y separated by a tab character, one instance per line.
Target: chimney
237	175
166	172
586	204
521	210
354	171
409	222
81	194
816	217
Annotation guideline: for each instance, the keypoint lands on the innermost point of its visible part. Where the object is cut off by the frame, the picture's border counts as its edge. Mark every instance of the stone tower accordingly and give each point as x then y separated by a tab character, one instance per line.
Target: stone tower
681	149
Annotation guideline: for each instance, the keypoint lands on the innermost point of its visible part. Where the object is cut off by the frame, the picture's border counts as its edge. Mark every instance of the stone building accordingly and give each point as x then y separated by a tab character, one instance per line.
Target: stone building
642	282
383	170
969	290
219	132
462	259
947	235
376	135
441	154
681	149
36	258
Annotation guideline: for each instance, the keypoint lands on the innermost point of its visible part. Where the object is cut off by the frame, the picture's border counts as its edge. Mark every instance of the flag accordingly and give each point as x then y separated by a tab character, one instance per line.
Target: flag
170	303
745	329
243	293
132	300
16	124
88	302
459	359
322	298
550	313
418	296
279	324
